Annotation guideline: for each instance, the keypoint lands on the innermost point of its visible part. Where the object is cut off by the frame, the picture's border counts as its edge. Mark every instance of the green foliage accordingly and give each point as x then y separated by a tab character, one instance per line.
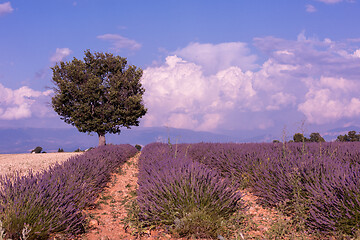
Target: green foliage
350	137
60	150
24	233
316	137
200	224
138	147
37	150
299	137
100	94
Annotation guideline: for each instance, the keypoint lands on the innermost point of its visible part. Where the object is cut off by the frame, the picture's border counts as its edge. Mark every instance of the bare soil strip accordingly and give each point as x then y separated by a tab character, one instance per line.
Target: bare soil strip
105	219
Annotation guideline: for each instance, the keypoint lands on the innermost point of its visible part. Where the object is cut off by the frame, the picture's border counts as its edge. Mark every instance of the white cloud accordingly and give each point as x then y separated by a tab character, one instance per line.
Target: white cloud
235	84
273	75
210	122
216	57
340	83
22	103
119	42
280	99
179	94
330	99
60	55
5	8
310	8
307	76
321	107
175	93
356	53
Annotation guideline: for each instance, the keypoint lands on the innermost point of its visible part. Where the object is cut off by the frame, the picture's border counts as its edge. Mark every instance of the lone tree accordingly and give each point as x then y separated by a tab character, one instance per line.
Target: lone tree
100	94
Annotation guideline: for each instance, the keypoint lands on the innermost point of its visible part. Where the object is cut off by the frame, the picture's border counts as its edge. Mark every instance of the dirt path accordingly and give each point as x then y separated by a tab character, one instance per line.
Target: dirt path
105	220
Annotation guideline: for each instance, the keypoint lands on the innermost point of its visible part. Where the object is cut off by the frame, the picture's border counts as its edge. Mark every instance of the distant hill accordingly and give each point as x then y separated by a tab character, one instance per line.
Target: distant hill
332	134
23	140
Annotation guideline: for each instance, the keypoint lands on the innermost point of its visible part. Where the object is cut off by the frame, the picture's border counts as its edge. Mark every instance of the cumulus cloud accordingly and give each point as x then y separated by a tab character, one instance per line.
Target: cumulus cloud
60	55
5	8
339	84
307	77
216	57
22	103
321	107
175	93
330	99
119	42
179	94
280	99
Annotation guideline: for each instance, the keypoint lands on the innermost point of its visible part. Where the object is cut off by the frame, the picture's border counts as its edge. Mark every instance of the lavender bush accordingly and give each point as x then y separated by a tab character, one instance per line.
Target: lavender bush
184	195
335	198
51	201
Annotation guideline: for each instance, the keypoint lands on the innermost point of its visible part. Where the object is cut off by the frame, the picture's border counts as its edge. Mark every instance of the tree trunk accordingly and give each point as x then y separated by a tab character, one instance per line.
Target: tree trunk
102	140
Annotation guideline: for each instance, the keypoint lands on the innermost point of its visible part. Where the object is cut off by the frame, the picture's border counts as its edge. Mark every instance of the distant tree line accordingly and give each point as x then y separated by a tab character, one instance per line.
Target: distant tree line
299	137
314	137
351	136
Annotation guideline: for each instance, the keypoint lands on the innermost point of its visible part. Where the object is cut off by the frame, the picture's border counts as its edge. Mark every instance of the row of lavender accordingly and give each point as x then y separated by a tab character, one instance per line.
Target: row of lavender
187	197
52	201
316	183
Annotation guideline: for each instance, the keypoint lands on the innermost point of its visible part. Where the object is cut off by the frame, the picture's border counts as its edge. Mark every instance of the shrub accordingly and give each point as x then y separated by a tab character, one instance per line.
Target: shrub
138	147
335	198
37	150
60	150
186	196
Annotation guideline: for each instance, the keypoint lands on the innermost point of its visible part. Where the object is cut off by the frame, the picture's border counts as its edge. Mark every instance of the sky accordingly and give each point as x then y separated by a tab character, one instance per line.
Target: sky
217	66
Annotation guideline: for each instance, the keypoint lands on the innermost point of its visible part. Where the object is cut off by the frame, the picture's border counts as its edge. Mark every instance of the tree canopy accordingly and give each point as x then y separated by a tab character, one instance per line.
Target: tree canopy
314	137
350	137
299	137
100	94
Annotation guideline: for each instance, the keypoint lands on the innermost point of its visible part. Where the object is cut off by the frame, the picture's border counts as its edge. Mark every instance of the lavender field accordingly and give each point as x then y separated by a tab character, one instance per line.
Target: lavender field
193	190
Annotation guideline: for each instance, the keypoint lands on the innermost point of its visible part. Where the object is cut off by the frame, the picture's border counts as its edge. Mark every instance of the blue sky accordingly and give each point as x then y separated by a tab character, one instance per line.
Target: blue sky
208	65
